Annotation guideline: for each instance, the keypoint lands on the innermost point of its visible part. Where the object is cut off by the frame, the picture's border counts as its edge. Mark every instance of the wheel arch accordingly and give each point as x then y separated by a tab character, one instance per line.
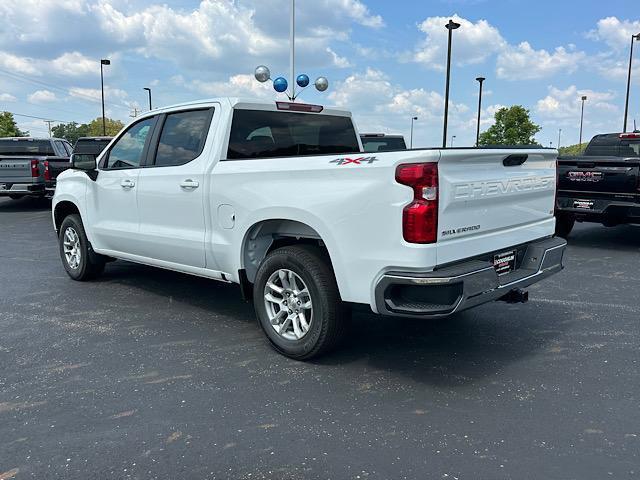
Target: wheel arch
62	210
267	235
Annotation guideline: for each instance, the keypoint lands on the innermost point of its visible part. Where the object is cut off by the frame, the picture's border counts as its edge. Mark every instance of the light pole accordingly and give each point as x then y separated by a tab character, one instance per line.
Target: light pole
149	92
453	137
584	97
626	102
411	136
451	26
103	61
480	80
559	133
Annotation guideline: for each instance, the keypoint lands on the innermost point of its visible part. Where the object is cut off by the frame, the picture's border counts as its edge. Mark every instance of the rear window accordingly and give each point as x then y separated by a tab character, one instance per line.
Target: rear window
183	137
613	146
26	147
93	147
383	144
267	134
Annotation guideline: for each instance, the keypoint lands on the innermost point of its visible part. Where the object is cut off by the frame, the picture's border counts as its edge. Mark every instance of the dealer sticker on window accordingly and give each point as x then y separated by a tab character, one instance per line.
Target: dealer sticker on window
504	262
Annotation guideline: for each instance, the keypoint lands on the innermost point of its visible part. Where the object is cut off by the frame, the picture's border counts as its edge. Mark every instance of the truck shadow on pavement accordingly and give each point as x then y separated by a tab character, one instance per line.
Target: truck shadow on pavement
449	352
27	204
621	238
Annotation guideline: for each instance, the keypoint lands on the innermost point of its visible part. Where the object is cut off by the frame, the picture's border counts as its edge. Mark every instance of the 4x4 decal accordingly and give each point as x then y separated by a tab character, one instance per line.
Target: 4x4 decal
355	161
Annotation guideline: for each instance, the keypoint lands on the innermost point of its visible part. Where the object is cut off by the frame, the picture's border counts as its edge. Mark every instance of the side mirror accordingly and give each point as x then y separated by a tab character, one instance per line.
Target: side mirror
83	161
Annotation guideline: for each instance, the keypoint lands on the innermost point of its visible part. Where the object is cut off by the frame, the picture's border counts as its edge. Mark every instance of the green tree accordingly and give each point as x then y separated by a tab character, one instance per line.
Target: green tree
8	127
112	126
512	127
577	149
70	131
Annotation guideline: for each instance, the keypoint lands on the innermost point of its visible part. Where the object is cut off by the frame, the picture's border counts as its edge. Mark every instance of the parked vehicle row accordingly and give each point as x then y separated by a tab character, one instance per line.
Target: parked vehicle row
30	166
601	186
280	199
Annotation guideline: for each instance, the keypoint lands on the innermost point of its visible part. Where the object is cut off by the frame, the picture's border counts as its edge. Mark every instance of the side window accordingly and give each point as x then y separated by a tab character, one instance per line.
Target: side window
60	150
127	151
68	147
183	137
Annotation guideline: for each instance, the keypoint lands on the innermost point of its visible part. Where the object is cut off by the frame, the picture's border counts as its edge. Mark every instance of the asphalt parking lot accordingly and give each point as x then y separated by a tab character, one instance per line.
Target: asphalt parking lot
153	374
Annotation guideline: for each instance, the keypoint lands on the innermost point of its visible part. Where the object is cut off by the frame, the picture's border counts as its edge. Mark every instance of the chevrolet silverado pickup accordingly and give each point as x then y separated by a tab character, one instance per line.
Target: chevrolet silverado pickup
280	199
29	166
601	186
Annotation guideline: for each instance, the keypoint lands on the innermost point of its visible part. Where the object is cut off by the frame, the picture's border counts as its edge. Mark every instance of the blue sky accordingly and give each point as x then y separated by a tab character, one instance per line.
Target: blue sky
384	60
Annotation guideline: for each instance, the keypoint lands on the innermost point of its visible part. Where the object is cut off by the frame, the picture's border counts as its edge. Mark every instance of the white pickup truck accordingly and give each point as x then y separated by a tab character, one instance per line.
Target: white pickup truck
278	198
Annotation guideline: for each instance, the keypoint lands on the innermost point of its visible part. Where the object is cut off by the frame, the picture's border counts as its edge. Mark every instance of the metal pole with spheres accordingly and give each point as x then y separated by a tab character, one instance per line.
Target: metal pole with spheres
584	97
411	136
626	102
280	84
451	26
479	80
103	61
149	92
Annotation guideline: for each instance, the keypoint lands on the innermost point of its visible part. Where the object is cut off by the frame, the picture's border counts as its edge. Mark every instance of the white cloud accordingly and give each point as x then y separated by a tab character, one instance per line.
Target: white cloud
75	64
7	97
16	64
338	61
566	104
42	96
236	86
472	42
614	32
522	62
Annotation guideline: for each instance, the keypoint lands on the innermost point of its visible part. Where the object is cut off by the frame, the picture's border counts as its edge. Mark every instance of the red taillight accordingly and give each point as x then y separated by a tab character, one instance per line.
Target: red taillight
630	135
35	171
299	107
420	217
47	171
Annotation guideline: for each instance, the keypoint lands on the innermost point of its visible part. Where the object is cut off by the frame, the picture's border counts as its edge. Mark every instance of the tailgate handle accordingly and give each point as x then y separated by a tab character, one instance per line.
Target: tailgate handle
515	159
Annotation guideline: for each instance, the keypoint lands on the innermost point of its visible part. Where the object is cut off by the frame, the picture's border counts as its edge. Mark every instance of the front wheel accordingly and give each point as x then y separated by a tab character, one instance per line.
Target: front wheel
564	224
79	260
297	302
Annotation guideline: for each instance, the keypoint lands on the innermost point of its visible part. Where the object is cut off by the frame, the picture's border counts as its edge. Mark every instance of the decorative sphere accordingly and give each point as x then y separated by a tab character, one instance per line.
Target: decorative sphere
322	84
302	80
280	84
262	73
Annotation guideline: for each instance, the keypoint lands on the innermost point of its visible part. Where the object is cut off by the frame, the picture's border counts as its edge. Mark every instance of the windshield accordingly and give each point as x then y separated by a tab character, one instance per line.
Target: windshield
613	146
264	134
383	144
26	147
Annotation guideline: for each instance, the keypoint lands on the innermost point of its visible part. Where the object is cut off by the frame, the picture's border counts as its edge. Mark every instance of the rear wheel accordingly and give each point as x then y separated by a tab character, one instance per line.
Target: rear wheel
564	224
297	302
79	260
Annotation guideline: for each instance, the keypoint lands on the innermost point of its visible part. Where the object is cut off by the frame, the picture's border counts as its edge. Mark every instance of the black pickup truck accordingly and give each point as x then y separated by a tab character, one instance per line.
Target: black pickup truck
601	186
29	166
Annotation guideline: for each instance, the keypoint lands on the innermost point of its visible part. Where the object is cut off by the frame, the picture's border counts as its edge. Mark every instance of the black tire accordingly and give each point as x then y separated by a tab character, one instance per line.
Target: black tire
564	224
329	318
90	265
15	197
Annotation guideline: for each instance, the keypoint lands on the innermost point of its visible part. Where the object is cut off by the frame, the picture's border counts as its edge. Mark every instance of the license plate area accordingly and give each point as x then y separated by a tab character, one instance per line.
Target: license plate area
583	204
504	262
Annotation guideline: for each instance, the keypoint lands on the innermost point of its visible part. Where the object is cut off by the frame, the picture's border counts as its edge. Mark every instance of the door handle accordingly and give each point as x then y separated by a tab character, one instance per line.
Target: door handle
127	184
189	184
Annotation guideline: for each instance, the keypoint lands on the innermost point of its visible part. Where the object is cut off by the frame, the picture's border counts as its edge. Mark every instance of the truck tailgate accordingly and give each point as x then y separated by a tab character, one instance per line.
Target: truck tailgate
493	199
15	170
598	175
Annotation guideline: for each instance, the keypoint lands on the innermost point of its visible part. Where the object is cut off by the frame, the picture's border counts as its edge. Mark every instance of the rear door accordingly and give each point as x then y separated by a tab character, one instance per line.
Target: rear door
491	199
172	187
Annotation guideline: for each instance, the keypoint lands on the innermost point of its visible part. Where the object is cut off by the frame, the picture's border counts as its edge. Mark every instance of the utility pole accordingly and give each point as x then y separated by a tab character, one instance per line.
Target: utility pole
559	133
134	114
451	26
480	80
49	122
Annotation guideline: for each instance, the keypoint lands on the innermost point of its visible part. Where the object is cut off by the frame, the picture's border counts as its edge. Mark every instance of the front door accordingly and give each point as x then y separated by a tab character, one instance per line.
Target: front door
113	207
171	190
